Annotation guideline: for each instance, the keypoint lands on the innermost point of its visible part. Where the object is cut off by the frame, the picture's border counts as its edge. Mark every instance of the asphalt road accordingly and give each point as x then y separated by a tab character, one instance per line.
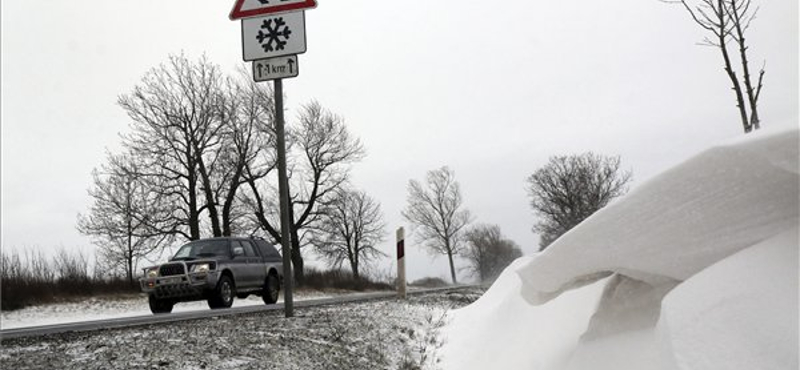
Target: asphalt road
86	326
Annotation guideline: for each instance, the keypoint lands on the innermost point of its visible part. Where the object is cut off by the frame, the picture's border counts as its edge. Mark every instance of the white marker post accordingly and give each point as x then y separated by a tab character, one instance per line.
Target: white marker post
401	264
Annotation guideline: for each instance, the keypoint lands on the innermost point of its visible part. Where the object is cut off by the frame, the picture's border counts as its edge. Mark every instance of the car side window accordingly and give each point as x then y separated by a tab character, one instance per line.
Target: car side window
248	248
267	249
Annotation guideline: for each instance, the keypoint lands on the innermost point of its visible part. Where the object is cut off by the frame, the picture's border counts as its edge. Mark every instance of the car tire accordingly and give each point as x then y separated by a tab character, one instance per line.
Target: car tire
223	294
158	306
271	289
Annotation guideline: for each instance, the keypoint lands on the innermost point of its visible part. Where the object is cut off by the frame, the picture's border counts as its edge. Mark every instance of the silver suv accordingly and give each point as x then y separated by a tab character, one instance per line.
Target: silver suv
216	270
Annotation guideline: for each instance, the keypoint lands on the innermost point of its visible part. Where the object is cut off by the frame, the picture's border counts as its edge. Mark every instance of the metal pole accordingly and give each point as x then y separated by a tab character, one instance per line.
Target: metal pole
401	263
283	189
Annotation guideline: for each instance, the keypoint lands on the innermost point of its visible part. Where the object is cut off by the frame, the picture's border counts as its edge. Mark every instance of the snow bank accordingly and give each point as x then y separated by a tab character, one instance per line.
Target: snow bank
695	269
738	314
501	331
725	199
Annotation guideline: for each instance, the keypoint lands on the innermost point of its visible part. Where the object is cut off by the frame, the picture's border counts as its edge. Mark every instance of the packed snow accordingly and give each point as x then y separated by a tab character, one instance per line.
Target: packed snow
695	269
749	300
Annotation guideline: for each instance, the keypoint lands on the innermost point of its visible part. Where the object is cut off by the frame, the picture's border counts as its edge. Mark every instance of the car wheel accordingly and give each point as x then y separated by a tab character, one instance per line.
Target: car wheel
271	289
160	305
223	294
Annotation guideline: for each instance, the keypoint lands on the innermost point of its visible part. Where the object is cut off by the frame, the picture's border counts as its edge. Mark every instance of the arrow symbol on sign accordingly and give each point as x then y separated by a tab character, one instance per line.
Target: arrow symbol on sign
291	65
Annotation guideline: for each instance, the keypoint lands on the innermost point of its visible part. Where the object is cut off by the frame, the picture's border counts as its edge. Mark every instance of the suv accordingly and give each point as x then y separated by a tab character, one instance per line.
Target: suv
216	270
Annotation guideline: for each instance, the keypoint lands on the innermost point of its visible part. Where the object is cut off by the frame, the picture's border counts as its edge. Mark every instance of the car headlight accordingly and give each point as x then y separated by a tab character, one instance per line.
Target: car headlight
151	273
200	268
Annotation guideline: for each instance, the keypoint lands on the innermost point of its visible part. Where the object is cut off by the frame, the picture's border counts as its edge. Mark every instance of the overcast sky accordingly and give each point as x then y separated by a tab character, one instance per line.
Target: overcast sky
489	88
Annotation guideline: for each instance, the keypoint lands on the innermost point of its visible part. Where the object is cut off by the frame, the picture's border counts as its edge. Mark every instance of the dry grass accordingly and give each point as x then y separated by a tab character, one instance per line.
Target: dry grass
340	280
31	279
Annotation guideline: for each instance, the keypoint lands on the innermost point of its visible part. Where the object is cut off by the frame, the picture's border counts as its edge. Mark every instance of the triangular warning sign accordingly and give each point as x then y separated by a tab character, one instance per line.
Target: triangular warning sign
254	8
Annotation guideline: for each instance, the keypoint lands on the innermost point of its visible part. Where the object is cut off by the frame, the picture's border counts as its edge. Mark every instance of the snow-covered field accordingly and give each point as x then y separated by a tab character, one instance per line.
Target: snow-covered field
389	334
694	269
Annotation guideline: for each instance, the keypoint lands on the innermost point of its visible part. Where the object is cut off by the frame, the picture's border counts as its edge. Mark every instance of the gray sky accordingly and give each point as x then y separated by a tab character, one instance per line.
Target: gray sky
491	89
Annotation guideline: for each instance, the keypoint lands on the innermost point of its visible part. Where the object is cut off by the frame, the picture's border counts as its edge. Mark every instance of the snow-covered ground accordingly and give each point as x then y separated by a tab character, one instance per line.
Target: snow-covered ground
387	334
694	269
102	308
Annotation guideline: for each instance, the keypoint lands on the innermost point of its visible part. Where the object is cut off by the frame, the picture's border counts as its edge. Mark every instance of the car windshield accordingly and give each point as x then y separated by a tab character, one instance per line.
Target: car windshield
203	249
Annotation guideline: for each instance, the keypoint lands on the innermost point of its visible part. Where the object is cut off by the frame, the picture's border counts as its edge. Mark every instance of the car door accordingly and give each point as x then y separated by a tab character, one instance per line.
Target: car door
239	264
257	267
252	267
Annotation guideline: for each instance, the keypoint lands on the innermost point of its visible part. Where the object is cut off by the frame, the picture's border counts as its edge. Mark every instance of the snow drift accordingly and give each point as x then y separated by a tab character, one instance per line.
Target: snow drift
694	269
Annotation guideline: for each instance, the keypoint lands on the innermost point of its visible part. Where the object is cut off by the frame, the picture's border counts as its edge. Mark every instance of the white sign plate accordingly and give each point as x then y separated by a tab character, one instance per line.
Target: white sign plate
274	36
275	68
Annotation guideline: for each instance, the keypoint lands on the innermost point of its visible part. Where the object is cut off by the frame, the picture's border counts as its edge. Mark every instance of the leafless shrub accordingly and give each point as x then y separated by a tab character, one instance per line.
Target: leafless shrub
340	279
32	278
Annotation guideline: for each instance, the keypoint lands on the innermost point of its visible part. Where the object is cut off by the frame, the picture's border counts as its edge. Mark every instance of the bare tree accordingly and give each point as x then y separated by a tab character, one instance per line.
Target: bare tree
245	152
350	230
729	20
124	217
175	128
321	150
570	188
437	215
488	252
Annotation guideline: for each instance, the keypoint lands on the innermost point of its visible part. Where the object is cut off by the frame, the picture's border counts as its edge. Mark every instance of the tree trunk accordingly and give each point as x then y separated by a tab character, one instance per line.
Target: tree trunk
354	265
194	216
211	204
297	256
737	88
751	94
297	261
450	258
129	258
229	199
129	232
130	270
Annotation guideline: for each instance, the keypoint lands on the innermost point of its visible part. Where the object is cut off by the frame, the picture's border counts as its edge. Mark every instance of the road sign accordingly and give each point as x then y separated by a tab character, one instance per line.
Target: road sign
253	8
274	36
274	68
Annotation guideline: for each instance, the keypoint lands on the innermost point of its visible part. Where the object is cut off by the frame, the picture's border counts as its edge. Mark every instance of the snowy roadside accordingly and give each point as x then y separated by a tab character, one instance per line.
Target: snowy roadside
387	334
117	307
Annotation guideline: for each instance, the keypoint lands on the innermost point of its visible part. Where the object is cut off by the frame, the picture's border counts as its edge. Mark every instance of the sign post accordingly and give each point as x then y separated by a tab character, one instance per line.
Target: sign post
283	189
272	41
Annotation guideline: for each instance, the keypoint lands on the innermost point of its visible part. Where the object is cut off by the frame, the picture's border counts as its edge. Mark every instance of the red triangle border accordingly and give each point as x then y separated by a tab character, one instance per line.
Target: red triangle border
238	13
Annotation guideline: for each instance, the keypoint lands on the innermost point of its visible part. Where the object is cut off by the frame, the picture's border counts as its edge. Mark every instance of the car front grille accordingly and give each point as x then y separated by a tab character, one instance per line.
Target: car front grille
171	269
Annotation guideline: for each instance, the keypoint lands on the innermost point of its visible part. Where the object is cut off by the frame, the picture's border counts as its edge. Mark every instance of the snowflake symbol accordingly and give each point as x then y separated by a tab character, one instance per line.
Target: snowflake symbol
275	36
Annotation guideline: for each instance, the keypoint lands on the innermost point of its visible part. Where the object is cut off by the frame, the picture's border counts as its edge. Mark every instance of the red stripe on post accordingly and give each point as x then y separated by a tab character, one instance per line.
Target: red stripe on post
401	249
